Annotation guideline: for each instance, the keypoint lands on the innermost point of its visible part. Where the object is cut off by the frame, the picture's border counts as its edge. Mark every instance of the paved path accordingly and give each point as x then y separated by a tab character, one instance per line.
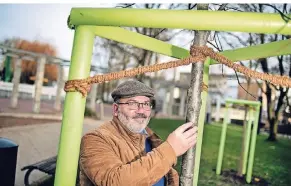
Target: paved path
37	142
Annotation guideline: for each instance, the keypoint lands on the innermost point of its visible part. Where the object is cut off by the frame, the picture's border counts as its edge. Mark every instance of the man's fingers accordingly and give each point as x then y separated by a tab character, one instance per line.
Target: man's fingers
183	127
192	140
190	132
193	137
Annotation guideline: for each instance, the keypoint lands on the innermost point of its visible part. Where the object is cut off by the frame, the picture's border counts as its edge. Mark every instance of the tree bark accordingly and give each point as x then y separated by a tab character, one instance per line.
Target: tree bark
272	134
193	105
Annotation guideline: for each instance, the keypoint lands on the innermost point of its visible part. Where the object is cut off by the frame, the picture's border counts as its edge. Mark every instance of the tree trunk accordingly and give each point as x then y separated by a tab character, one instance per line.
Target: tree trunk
193	105
271	117
260	115
273	130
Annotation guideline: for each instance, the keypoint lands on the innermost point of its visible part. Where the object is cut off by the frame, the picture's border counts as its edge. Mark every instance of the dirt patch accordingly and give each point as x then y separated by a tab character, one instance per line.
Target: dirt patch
230	176
7	121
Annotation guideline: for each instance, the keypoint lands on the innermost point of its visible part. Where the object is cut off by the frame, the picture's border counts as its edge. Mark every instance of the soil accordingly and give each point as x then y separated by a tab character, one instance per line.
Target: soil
6	121
230	176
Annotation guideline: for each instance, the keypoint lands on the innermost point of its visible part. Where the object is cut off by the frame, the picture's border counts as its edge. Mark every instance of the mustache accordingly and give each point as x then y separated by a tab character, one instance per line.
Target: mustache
139	115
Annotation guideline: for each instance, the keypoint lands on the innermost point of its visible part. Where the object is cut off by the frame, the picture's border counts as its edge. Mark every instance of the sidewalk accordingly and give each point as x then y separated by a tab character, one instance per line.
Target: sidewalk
37	142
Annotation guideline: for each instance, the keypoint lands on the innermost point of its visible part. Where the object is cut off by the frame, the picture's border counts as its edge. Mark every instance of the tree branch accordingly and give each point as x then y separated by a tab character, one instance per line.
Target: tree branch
125	5
190	6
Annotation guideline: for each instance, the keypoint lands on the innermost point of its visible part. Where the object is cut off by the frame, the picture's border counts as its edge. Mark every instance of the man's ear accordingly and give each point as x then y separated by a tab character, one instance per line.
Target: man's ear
115	109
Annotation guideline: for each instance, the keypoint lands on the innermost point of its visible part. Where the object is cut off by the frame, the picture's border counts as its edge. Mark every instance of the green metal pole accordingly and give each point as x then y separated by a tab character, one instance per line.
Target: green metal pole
247	139
242	102
74	106
184	19
122	35
253	145
201	123
7	69
222	140
139	40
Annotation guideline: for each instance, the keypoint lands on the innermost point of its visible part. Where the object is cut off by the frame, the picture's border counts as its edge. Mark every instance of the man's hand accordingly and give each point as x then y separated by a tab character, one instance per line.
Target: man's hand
182	139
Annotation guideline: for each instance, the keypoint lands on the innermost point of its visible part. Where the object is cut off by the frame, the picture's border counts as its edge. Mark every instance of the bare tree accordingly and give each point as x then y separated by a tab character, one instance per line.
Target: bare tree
276	96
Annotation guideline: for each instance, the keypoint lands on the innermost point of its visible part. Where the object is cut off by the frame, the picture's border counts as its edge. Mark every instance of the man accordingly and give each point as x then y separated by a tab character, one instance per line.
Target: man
125	152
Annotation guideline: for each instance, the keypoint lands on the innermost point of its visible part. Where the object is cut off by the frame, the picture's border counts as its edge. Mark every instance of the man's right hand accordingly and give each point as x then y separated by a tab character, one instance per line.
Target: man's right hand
182	139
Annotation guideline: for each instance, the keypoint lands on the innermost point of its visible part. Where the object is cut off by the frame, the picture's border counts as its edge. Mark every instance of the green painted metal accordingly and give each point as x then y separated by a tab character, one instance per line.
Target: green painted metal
253	145
222	140
258	51
276	48
74	107
193	20
242	102
247	139
7	77
133	38
253	52
201	123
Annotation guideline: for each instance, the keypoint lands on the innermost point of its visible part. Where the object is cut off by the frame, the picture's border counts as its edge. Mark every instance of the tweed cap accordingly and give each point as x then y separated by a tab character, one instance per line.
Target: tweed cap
132	88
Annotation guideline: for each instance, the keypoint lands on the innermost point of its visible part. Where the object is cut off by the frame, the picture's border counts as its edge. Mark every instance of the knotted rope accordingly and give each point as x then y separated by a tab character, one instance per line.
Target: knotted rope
197	53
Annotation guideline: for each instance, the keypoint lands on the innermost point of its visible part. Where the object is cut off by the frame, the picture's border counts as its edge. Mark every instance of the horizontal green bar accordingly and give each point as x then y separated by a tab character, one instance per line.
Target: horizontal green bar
253	52
271	49
139	40
242	102
250	22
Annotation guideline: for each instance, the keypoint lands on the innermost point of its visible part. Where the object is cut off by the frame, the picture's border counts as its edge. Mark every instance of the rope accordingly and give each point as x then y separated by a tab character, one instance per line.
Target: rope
197	53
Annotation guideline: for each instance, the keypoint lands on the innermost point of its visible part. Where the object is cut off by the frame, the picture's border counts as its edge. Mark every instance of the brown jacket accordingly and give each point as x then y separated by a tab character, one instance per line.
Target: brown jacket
111	155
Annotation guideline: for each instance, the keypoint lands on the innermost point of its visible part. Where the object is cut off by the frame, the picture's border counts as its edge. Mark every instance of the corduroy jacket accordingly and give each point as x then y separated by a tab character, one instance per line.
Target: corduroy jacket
111	155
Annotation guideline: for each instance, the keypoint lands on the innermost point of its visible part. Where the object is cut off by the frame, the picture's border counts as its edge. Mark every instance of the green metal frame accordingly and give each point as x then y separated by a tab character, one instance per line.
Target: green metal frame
253	112
91	22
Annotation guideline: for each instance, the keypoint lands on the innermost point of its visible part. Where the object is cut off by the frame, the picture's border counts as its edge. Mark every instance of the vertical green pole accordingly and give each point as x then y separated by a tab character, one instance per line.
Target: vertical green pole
74	106
7	69
201	122
253	145
247	139
222	140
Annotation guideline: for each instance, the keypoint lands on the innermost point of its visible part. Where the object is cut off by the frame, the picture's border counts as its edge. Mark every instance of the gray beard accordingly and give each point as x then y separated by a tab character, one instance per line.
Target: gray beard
135	126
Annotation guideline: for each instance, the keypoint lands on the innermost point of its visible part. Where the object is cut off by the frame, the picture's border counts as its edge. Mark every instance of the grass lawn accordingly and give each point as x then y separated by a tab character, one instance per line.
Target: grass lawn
272	159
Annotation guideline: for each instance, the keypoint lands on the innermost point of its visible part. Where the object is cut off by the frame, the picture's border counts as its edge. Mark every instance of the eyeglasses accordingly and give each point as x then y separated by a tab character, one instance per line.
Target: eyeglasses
133	105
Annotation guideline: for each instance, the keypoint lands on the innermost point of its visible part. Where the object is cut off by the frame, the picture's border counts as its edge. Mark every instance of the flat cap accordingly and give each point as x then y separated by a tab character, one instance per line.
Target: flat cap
131	88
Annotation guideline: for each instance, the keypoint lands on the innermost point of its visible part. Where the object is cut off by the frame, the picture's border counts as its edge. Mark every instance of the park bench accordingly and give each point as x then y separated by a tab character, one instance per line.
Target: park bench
47	166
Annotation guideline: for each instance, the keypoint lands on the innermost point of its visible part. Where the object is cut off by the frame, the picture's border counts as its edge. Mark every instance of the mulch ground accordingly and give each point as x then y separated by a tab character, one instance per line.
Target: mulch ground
6	121
230	176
